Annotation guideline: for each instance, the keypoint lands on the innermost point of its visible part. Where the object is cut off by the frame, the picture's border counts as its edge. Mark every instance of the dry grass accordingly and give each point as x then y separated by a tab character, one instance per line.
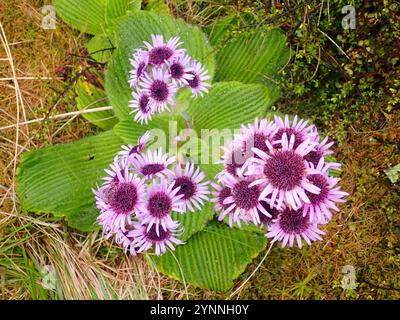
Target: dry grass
84	269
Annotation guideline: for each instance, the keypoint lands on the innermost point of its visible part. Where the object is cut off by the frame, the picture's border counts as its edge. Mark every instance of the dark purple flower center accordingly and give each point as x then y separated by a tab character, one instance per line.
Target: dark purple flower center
314	157
152	234
159	205
195	82
140	69
223	194
245	197
144	103
152	168
289	132
187	187
134	150
293	222
321	182
177	71
257	141
123	198
159	90
158	55
273	212
285	170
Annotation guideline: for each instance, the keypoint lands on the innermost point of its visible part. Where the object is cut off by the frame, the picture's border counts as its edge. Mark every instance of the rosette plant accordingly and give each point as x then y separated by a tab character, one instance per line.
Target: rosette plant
237	75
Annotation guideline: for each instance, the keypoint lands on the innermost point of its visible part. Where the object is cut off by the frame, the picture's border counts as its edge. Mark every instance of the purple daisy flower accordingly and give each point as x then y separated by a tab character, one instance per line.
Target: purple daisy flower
220	194
244	200
179	70
142	107
146	238
131	151
284	173
139	64
160	52
292	225
118	201
255	135
320	151
154	164
191	188
198	83
118	166
300	129
160	91
126	241
320	204
162	199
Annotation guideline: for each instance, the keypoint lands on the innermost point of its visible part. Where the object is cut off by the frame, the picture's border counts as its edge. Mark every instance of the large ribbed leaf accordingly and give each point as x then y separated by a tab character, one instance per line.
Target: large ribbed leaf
230	104
90	97
129	130
212	258
93	16
58	179
131	31
252	57
100	47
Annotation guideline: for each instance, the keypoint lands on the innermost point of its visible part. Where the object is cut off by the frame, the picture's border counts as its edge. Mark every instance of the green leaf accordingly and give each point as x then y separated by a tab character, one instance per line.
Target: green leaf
230	104
90	97
59	179
100	47
131	31
129	130
212	258
252	58
118	8
93	16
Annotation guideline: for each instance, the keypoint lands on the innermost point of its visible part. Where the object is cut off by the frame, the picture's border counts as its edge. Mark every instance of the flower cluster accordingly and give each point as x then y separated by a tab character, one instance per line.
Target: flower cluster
159	71
140	192
276	174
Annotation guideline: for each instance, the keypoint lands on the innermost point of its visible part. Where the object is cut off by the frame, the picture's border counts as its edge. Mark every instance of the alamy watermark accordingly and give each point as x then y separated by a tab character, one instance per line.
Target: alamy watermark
349	277
349	20
49	277
49	17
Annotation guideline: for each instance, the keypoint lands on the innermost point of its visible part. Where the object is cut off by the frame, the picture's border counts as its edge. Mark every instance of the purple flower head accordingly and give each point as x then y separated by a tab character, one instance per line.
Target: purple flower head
179	70
284	172
198	84
320	206
146	237
292	225
153	164
142	107
160	52
244	200
118	201
159	89
193	190
139	64
131	151
161	200
299	128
